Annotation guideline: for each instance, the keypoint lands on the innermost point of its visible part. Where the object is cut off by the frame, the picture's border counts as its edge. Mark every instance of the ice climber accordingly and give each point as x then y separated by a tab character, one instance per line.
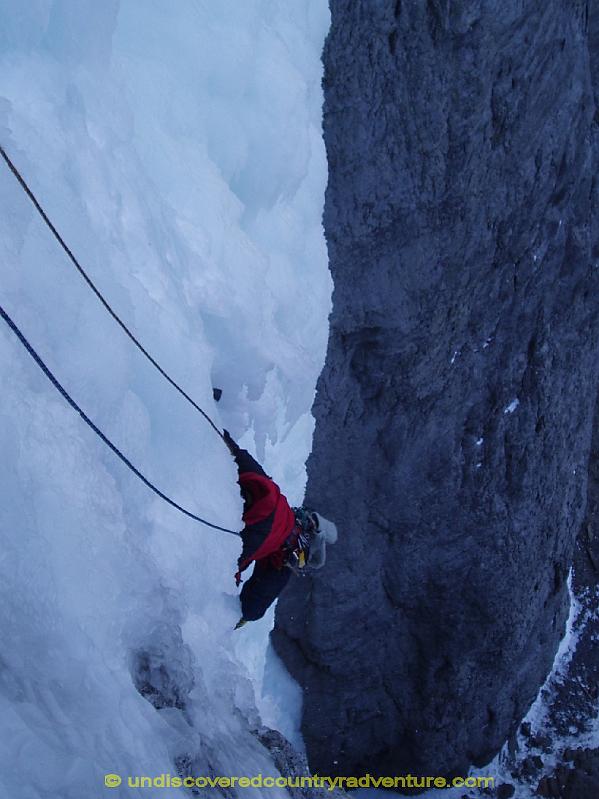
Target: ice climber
280	539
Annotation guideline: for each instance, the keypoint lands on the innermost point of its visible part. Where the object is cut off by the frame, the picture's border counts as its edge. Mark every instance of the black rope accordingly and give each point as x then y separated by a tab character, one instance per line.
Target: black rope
97	430
97	292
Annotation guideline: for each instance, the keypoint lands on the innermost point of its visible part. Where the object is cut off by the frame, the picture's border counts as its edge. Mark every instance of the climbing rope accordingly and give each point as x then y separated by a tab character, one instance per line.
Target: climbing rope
97	430
97	292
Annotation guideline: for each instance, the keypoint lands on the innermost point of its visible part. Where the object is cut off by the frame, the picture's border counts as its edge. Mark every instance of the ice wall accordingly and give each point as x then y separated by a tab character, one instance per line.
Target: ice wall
177	148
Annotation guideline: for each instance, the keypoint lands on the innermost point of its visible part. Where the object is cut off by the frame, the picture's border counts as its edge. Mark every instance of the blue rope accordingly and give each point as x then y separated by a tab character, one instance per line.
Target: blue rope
97	292
97	430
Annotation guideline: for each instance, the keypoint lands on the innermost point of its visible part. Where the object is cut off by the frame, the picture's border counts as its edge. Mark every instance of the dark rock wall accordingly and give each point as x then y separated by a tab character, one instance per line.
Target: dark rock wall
454	412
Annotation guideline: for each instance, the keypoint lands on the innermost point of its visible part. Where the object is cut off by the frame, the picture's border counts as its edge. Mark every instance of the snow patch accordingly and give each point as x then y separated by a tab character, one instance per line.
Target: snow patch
512	406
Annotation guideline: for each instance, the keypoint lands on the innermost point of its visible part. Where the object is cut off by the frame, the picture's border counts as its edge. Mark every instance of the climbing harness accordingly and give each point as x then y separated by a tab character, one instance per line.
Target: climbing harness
97	430
97	292
295	552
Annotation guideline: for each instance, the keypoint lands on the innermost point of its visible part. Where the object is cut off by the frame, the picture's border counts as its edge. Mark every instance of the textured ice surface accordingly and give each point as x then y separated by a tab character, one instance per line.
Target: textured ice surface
177	148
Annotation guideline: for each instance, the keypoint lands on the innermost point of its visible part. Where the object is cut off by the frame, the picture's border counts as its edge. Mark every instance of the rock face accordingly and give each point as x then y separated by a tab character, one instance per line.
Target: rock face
454	412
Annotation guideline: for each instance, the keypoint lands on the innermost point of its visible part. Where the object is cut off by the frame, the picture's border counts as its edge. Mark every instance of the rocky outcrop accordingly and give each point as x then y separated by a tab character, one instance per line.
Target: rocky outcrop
454	412
293	765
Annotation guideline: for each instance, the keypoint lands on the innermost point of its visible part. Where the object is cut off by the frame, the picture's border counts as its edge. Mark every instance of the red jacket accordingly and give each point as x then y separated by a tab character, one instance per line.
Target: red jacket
268	519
